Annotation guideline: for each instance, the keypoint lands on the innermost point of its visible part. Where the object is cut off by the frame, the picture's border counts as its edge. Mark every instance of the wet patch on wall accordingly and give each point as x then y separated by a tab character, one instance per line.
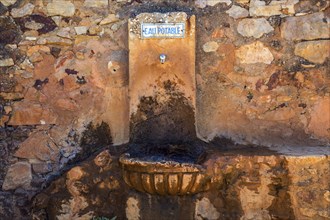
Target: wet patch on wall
169	122
228	147
94	138
281	207
83	190
230	206
191	152
9	31
37	22
165	207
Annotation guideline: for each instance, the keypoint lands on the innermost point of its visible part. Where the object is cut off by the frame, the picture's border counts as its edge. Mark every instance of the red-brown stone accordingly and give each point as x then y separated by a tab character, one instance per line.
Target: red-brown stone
38	146
31	114
18	175
319	124
44	68
66	104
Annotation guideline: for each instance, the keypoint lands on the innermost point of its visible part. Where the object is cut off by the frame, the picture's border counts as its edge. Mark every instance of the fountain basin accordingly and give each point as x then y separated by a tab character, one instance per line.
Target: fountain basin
164	177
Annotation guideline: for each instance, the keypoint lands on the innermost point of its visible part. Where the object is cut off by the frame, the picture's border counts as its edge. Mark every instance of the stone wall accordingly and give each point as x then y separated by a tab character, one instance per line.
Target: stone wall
262	72
258	186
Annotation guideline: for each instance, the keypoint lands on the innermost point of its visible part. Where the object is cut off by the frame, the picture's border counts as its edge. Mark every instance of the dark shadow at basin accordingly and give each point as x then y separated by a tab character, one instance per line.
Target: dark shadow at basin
193	152
172	169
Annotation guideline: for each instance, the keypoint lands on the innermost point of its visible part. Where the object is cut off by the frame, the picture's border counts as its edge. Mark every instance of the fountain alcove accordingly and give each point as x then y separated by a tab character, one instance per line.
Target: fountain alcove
165	155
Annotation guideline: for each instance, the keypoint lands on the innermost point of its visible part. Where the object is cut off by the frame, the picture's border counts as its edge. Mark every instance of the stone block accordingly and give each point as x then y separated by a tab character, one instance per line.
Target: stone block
31	114
6	62
313	51
307	27
39	146
61	7
23	11
282	7
237	12
96	3
254	53
18	175
254	27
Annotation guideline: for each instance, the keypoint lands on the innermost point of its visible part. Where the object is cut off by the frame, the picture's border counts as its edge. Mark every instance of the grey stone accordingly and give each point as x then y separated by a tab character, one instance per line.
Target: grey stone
108	20
8	2
54	40
214	2
6	62
204	3
12	46
81	30
30	38
308	27
307	7
57	20
205	210
26	64
60	7
254	27
96	3
282	7
26	75
210	46
66	32
32	25
23	11
237	12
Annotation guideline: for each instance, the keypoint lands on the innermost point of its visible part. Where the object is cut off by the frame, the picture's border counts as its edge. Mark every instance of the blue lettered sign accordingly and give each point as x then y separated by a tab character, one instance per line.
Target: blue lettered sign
162	30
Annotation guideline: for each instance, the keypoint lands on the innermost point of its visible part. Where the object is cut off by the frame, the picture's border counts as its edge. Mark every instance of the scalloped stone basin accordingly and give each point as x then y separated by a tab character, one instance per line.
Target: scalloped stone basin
164	178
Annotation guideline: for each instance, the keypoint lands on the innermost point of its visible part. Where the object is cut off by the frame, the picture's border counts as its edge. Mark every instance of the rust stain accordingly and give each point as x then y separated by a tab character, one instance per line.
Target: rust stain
63	59
171	86
273	80
259	83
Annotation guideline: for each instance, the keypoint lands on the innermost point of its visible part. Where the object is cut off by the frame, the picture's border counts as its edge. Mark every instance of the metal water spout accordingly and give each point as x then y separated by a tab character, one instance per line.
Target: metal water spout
162	58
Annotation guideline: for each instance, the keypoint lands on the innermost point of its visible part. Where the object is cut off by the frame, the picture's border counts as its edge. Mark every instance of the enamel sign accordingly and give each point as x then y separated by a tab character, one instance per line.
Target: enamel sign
162	30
